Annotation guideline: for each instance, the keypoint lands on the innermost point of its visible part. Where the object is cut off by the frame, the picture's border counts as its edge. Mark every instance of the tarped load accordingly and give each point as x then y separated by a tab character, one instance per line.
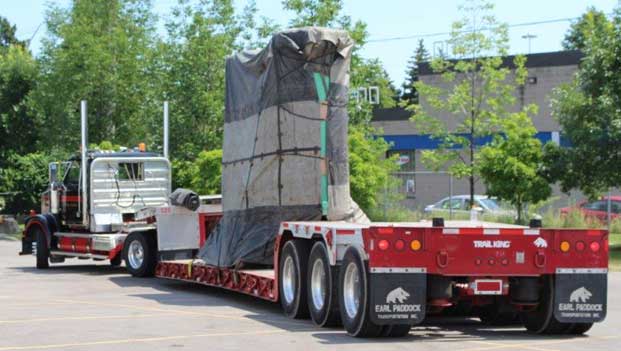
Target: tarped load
285	143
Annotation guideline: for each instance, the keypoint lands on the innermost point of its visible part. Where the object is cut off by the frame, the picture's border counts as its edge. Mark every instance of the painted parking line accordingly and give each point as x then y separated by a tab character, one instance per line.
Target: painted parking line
136	340
81	318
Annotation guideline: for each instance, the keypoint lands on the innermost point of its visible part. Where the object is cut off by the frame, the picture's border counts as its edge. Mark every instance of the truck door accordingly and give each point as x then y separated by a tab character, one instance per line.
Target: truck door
70	197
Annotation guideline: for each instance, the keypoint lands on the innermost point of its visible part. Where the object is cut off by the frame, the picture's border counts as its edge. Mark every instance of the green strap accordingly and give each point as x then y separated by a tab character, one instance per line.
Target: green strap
322	84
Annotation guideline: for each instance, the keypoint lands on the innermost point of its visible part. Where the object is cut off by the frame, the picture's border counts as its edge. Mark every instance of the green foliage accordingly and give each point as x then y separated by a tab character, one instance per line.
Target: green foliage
593	21
18	74
100	51
203	175
24	178
480	93
409	94
7	35
509	165
369	170
588	112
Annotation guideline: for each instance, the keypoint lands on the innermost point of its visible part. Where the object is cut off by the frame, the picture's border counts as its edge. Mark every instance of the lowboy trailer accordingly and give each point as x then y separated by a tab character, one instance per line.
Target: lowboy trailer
380	279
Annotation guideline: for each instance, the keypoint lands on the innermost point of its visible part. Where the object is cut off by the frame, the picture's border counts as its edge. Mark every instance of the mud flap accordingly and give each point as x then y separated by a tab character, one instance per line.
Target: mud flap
398	298
580	295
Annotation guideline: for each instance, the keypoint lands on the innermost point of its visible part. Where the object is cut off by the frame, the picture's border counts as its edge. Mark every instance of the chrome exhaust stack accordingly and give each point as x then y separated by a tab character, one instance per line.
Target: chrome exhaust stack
84	161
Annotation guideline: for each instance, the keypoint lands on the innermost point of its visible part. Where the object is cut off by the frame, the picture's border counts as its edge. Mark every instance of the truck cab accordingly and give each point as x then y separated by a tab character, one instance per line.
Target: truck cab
90	219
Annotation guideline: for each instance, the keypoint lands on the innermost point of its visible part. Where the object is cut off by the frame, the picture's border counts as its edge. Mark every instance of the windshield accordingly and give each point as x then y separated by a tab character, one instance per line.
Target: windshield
490	204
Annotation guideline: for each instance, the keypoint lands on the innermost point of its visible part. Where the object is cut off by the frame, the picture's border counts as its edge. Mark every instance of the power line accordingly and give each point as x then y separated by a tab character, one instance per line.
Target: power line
429	35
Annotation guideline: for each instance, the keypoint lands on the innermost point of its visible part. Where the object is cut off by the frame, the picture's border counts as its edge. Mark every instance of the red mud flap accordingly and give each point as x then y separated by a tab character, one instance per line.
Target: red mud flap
398	295
580	295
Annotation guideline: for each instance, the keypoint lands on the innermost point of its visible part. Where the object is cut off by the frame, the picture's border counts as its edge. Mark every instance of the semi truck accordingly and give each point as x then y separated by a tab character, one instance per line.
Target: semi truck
89	206
288	232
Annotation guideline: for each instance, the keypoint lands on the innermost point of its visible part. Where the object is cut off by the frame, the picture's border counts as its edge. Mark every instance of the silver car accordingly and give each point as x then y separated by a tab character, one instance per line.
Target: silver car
460	204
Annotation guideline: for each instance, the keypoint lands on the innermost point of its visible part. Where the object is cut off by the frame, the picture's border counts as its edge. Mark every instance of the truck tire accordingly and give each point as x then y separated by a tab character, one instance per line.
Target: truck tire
43	251
140	254
542	320
354	297
321	287
292	279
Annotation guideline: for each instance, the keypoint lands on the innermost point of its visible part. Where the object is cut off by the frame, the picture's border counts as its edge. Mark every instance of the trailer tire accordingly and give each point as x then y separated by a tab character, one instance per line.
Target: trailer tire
542	320
321	287
43	251
354	297
140	254
292	279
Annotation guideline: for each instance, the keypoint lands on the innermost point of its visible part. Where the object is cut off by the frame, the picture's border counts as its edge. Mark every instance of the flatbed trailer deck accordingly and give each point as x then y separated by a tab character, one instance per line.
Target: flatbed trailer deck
410	270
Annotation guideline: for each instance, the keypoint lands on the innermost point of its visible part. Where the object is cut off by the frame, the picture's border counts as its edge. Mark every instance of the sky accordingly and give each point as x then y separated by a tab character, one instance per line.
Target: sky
415	19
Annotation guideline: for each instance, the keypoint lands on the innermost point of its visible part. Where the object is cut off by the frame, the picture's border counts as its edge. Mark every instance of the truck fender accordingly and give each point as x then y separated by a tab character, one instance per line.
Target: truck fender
47	224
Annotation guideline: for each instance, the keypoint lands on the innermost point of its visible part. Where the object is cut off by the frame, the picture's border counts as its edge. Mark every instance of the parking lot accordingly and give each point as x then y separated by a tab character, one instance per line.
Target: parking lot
81	305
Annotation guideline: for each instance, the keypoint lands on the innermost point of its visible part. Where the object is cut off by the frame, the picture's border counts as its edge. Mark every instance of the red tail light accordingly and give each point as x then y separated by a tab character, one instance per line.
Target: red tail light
580	246
399	245
595	246
383	244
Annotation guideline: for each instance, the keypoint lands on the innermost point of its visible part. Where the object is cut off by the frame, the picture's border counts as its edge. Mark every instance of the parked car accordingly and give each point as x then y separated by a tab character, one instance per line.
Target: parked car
598	208
460	204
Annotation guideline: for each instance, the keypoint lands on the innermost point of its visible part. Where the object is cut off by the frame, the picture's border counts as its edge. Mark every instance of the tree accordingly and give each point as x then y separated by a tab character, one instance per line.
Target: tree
24	181
589	115
510	164
409	93
18	130
580	31
203	175
199	40
7	35
476	94
100	51
370	172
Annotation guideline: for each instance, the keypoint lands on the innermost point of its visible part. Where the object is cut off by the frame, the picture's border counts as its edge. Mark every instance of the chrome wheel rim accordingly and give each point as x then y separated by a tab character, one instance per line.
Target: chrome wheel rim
288	281
351	290
318	285
135	254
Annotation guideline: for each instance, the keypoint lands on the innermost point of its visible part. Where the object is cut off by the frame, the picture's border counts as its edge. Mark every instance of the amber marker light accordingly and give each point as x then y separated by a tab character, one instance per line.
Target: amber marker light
565	246
415	245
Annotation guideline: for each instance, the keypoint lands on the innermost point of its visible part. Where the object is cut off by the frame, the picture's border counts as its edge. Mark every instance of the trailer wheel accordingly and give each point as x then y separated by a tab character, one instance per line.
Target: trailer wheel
292	279
321	287
43	251
140	254
354	297
542	320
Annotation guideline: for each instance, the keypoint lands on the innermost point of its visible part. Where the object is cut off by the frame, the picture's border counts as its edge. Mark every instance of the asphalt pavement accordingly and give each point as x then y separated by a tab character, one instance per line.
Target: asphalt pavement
82	305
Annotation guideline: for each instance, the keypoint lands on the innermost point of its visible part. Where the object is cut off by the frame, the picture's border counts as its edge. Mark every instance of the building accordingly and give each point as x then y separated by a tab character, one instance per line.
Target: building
546	71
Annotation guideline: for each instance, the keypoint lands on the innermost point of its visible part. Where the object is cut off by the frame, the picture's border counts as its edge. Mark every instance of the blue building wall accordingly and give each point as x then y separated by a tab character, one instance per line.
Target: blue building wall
427	142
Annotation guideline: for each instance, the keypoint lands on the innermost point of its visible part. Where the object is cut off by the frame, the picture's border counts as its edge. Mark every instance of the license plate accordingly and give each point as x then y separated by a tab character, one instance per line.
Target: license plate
487	287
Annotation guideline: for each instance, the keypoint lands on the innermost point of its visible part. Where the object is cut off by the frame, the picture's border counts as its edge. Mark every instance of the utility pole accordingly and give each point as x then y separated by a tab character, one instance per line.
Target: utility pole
529	37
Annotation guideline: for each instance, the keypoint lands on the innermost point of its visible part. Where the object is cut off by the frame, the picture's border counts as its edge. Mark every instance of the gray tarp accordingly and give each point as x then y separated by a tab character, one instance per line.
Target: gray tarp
273	152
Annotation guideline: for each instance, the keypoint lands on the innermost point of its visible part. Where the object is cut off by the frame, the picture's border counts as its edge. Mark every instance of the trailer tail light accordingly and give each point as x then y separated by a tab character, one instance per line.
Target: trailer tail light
415	245
383	245
580	246
594	246
399	245
565	246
